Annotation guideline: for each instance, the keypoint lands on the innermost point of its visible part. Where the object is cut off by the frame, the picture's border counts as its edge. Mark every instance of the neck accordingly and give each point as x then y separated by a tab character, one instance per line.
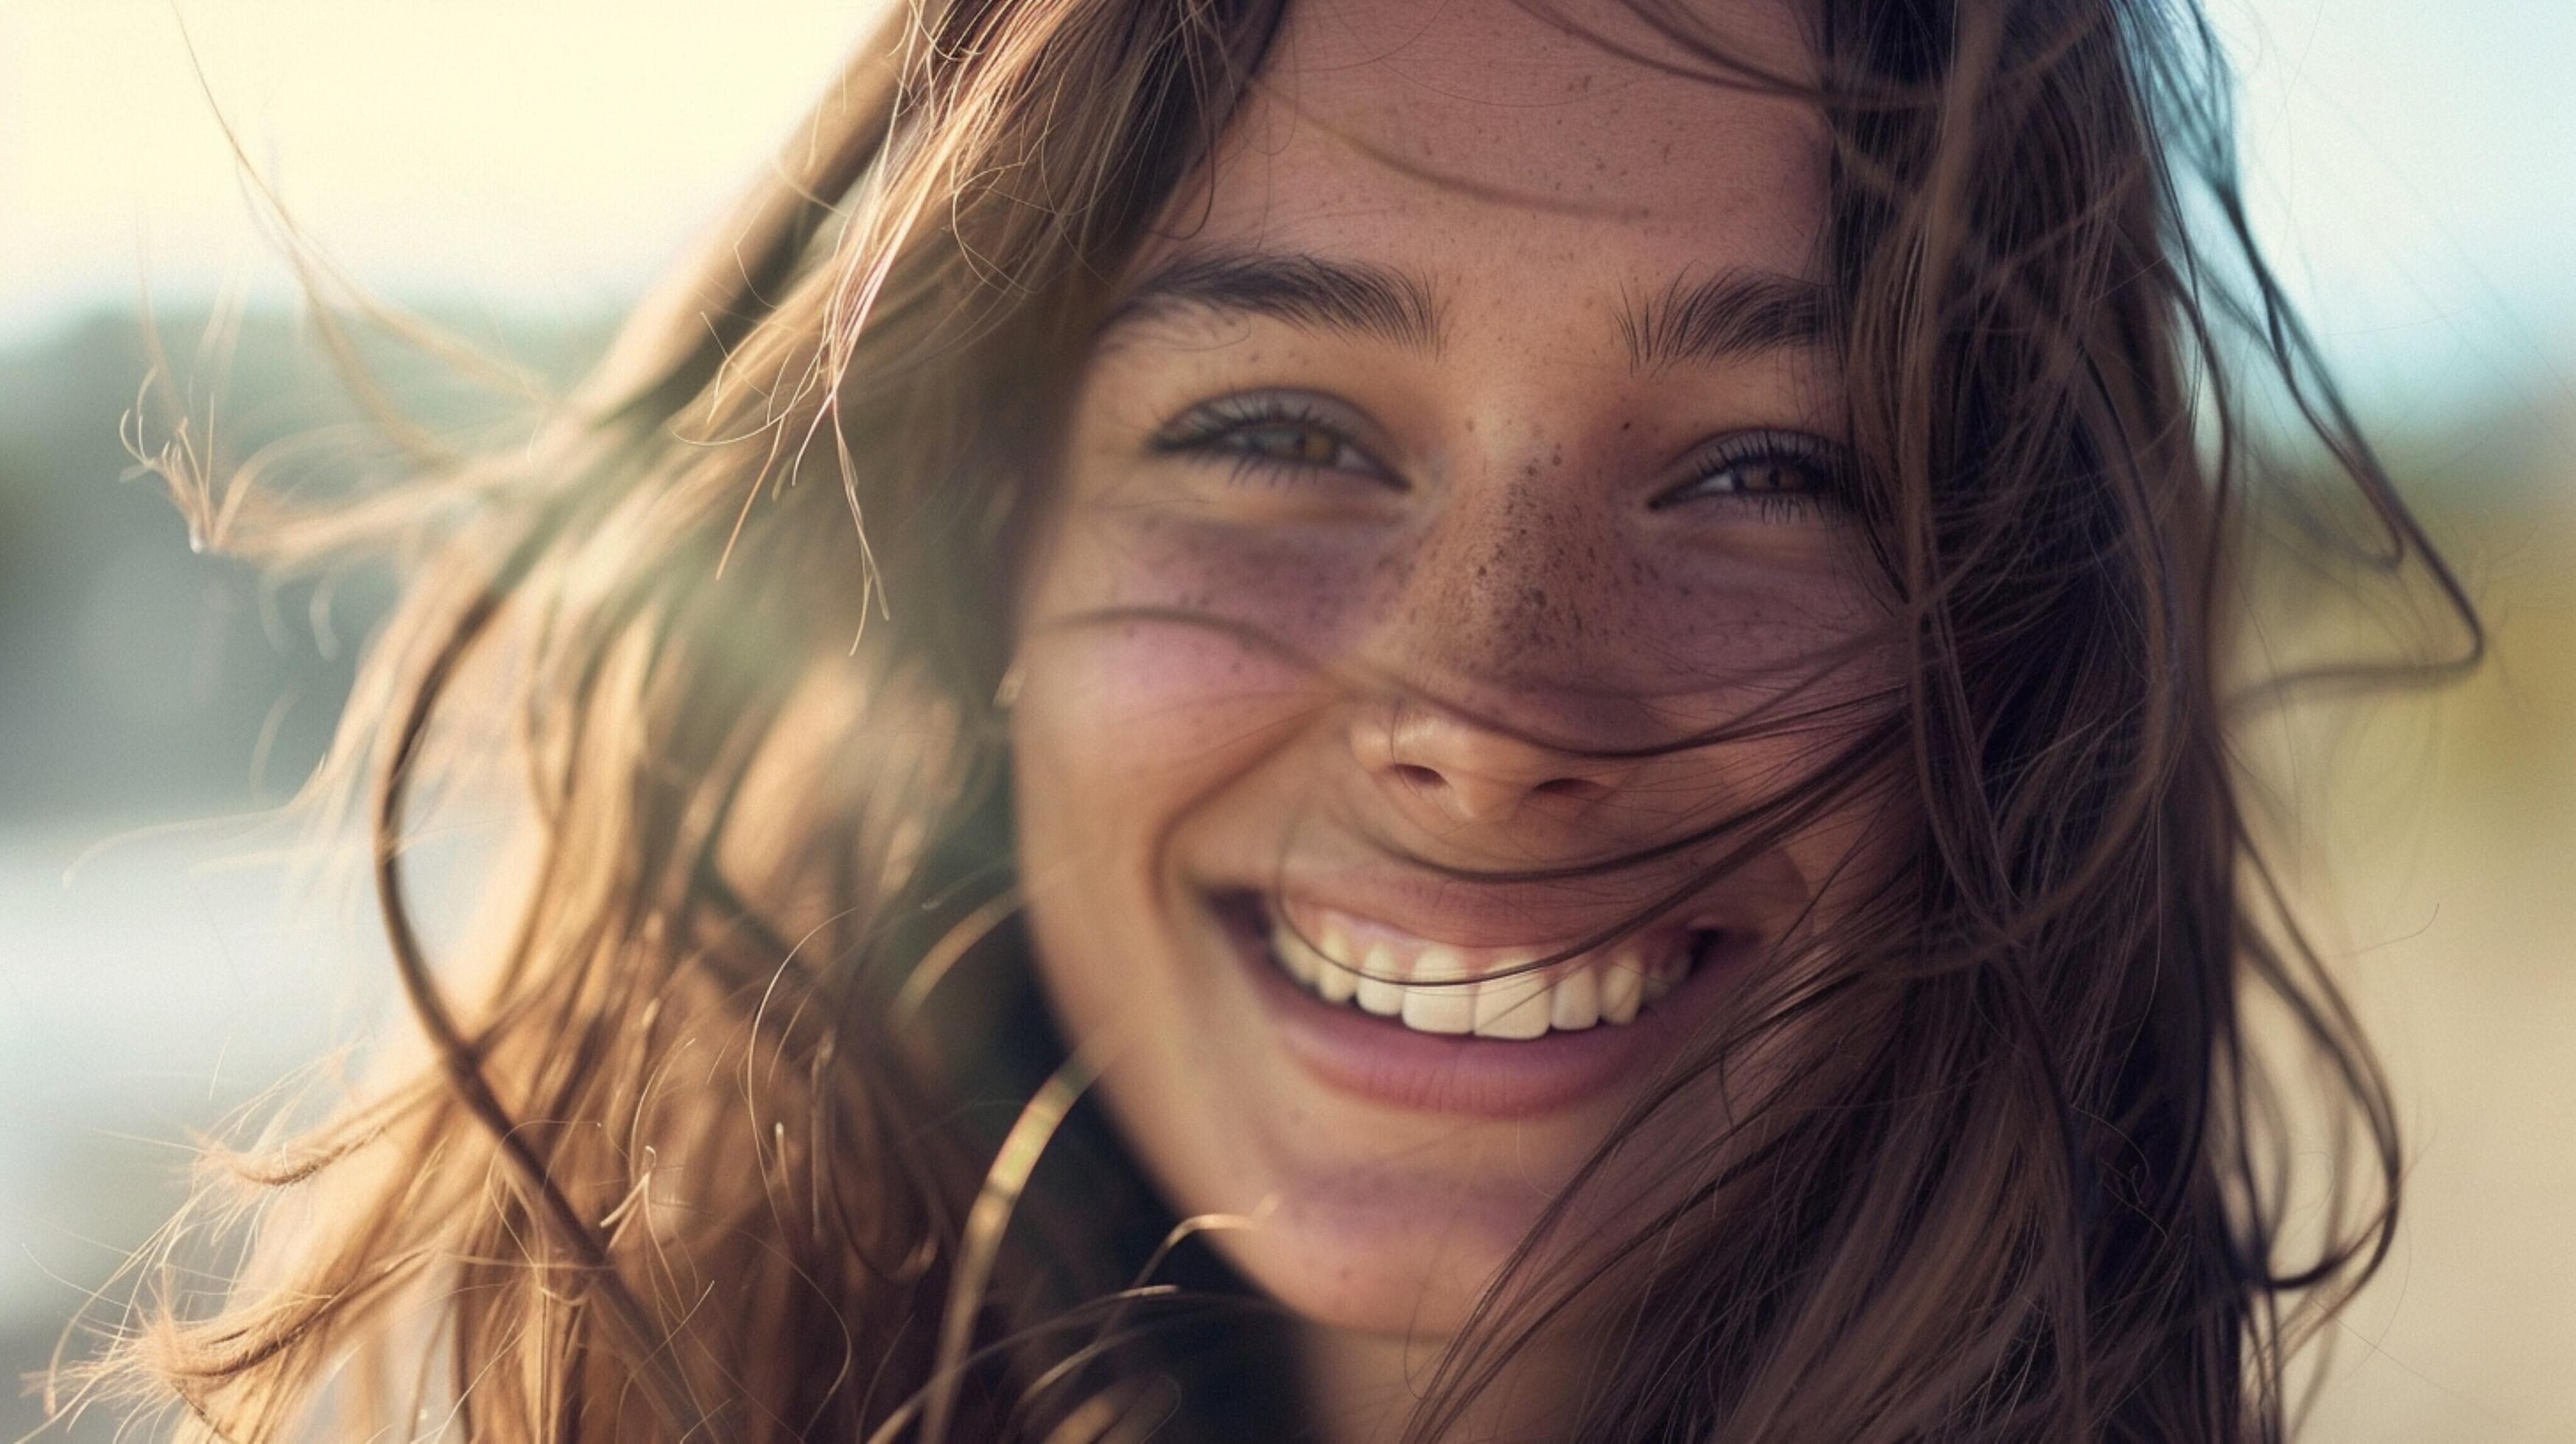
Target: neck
1363	1388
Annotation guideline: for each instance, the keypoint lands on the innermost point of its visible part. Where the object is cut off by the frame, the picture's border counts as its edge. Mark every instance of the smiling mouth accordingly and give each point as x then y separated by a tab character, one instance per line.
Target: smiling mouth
1497	993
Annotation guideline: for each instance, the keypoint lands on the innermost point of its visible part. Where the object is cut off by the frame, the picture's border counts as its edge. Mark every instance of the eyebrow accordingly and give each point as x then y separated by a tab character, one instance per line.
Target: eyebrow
1303	290
1731	314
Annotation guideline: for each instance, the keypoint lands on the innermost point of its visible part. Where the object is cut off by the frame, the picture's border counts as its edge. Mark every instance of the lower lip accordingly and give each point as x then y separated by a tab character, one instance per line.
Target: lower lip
1379	1059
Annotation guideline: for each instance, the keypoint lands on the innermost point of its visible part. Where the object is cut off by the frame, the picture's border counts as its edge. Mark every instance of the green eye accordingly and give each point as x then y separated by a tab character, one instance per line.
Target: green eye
1763	476
1302	445
1786	475
1290	434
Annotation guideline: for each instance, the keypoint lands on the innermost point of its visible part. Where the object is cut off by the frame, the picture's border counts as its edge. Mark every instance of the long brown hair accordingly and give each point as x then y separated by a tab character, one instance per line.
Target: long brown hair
744	1126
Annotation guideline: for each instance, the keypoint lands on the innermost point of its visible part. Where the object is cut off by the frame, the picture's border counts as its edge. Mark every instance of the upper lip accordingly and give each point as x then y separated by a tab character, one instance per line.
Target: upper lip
1546	918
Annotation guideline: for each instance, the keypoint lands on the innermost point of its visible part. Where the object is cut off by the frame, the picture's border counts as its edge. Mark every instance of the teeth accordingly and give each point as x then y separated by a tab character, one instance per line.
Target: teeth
1622	988
1440	1010
1302	962
1504	1004
1335	942
1328	972
1379	989
1575	1001
1514	1005
1337	980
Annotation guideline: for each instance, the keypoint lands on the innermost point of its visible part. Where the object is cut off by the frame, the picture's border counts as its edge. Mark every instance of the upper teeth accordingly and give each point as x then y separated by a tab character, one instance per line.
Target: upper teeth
1491	993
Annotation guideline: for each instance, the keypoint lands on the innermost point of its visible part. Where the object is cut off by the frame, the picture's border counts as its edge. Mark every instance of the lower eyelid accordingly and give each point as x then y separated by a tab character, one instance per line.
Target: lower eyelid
1820	489
1786	506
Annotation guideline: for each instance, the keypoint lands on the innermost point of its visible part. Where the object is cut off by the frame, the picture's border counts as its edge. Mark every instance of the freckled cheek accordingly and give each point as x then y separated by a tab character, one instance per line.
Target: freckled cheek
1264	599
1727	640
1240	662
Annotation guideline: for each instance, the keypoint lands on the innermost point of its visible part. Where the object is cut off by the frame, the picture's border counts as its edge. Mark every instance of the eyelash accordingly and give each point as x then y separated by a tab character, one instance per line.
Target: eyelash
1826	486
1208	430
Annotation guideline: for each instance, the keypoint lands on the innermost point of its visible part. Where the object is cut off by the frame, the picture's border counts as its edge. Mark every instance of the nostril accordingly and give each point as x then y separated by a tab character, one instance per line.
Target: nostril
1432	779
1416	775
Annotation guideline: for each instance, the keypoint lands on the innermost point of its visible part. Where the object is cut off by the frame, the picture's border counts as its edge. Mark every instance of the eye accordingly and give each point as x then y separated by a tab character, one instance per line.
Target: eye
1780	475
1283	433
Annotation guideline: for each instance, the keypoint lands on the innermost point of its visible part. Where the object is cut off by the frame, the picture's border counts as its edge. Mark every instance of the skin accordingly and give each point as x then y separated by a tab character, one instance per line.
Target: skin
1496	507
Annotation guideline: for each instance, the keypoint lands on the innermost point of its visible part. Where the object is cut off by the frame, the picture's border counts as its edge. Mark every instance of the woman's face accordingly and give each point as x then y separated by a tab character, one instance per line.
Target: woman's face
1487	362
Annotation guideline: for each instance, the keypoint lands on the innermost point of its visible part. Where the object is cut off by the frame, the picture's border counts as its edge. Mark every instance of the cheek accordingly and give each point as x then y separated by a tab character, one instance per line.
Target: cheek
1308	591
1753	622
1159	663
1166	654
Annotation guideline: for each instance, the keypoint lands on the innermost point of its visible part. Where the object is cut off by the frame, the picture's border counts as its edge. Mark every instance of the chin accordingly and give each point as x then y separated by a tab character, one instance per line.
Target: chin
1385	1173
1350	1271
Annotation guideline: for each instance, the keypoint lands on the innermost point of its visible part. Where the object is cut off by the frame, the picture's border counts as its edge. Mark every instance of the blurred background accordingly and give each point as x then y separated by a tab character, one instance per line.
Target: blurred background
517	171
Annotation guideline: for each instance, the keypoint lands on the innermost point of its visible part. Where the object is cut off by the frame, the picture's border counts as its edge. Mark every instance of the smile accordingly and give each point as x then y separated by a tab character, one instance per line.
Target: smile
1384	1013
1500	993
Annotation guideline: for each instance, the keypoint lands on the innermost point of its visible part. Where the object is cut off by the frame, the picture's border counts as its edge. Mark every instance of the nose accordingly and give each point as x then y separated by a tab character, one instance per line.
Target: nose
1471	772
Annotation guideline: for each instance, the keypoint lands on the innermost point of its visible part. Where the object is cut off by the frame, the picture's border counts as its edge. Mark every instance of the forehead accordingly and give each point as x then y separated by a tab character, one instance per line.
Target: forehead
1490	145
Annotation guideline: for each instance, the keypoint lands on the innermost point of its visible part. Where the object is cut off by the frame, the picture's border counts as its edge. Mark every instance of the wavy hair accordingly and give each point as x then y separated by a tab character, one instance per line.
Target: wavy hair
742	1123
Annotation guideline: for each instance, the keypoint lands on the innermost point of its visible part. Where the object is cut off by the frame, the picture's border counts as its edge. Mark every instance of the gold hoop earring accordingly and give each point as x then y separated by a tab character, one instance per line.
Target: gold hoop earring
1008	693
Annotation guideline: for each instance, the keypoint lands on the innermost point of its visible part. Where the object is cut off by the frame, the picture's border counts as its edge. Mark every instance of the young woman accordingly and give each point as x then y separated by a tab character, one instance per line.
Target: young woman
1354	721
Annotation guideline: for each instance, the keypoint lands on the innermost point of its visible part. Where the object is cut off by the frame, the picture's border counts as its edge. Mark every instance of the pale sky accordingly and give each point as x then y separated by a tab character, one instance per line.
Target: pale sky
2413	164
